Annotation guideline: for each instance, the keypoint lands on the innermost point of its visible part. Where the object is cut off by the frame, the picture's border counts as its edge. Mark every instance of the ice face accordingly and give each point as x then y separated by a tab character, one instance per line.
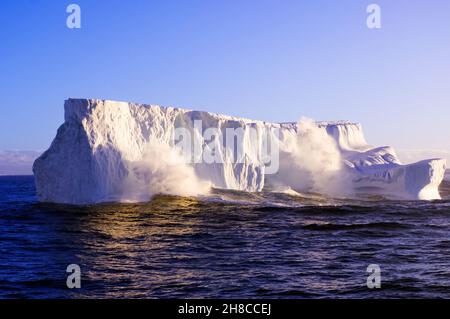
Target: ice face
117	151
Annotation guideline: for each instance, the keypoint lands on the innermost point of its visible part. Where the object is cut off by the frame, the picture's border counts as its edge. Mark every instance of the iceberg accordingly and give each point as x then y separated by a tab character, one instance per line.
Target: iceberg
116	151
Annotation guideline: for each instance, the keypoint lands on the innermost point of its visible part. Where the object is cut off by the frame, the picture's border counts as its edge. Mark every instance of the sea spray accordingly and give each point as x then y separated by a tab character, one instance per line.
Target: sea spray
312	162
162	170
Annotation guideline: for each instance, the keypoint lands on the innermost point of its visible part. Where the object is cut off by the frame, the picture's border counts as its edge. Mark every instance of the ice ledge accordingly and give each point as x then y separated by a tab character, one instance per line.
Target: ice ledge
79	108
417	181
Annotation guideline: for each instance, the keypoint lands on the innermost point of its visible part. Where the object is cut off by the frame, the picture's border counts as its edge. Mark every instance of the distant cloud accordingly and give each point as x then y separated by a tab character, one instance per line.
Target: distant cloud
412	156
17	162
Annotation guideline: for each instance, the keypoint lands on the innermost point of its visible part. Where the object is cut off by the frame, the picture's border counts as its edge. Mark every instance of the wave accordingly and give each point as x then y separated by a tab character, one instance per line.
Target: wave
311	161
162	171
376	225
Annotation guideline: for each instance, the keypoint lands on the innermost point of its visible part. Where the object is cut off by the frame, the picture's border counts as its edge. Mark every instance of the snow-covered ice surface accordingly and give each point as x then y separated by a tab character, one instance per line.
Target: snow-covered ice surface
117	151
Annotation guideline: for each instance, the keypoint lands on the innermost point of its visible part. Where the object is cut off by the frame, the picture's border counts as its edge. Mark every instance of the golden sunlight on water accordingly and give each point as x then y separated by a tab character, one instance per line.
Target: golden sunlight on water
124	233
230	244
134	243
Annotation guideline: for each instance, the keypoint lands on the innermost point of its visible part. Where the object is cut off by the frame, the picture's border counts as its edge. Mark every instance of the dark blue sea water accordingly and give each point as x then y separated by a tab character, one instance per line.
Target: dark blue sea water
267	246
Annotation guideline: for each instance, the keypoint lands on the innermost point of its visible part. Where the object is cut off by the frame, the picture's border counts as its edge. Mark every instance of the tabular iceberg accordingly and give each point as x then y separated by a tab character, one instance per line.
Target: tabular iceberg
117	151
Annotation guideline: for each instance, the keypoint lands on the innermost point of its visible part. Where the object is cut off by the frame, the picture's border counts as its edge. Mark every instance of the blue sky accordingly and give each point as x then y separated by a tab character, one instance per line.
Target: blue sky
272	60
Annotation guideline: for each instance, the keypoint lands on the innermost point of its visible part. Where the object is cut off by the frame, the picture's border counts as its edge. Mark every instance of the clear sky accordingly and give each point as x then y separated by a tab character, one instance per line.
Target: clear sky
272	60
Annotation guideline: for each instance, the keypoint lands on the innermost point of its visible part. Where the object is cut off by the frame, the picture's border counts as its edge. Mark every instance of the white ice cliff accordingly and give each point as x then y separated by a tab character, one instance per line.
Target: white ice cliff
116	151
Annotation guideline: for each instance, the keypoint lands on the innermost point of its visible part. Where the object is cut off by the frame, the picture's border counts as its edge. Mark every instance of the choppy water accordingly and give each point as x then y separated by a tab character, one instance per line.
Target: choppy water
267	246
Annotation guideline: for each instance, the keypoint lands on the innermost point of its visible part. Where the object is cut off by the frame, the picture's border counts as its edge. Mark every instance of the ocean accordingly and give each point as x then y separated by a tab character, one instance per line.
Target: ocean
230	245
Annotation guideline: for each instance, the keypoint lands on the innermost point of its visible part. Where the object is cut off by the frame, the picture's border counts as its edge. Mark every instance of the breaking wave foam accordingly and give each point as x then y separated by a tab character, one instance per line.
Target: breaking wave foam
161	171
312	162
